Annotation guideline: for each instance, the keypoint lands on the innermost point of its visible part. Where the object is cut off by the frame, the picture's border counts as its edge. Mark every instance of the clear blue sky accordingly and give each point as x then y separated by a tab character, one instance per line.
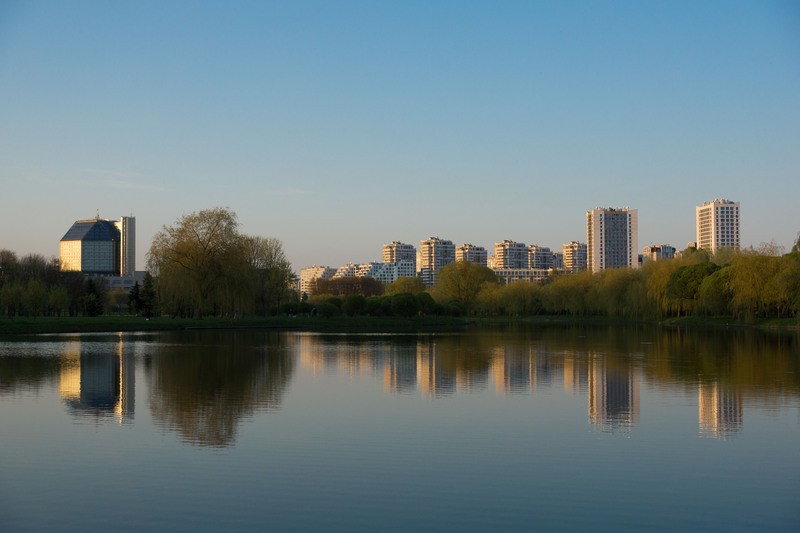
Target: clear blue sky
337	126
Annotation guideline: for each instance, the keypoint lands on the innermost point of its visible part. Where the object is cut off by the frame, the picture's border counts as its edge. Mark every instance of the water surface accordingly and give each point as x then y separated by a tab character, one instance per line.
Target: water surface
564	428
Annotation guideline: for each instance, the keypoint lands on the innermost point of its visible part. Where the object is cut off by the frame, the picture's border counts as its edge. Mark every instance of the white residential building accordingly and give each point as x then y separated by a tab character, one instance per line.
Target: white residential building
612	236
309	275
573	256
397	251
472	254
510	275
558	260
434	253
390	272
717	225
510	254
540	257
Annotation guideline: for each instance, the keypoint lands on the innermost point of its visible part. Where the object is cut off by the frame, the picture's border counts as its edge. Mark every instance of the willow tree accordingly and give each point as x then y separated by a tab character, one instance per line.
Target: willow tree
462	281
270	272
204	265
192	257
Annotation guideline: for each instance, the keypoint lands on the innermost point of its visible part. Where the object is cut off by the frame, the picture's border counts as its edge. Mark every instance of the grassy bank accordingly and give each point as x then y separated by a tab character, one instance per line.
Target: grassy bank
689	321
29	326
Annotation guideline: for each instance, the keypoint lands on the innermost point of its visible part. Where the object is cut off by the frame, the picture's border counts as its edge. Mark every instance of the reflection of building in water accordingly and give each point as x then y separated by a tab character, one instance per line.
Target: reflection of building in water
548	367
613	394
576	372
523	369
98	383
432	378
719	411
399	368
512	369
431	364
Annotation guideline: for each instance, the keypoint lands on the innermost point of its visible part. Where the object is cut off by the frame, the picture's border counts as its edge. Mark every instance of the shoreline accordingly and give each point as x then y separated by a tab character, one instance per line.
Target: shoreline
13	327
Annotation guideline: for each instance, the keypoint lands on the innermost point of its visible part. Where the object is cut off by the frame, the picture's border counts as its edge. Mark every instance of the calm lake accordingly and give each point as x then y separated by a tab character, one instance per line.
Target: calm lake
559	428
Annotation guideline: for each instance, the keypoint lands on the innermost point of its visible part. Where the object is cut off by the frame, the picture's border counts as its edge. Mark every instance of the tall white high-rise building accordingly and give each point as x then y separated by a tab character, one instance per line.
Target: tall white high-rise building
612	238
434	253
717	225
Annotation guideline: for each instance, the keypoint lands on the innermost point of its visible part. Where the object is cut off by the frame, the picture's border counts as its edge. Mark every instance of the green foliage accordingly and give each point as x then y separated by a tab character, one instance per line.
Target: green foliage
328	310
205	266
404	304
425	303
148	300
403	285
683	284
461	282
34	286
362	285
94	298
354	304
135	299
714	295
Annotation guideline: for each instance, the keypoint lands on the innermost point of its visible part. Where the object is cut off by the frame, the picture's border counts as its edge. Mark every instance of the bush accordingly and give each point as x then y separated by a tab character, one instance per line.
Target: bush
404	304
354	304
328	309
375	306
425	302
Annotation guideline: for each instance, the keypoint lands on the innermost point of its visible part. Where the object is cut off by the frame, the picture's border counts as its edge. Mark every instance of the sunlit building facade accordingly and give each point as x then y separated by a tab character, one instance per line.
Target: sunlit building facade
309	276
510	254
612	238
717	225
574	256
510	275
434	254
100	247
397	251
540	257
658	252
472	254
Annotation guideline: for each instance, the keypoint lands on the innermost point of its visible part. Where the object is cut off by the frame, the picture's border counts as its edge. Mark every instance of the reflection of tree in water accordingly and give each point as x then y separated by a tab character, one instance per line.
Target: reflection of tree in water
204	385
19	372
754	363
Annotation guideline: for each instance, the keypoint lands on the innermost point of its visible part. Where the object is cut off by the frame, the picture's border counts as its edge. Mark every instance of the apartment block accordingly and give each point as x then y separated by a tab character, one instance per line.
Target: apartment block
434	253
472	254
612	238
510	275
510	254
540	257
309	275
717	225
658	252
573	256
397	251
390	272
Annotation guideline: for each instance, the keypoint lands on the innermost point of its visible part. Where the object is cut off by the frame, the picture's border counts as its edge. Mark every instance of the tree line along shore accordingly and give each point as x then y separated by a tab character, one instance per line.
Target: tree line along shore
202	267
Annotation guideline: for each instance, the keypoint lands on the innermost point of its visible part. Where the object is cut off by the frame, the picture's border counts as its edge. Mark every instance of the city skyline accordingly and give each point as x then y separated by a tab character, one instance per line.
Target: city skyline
477	123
